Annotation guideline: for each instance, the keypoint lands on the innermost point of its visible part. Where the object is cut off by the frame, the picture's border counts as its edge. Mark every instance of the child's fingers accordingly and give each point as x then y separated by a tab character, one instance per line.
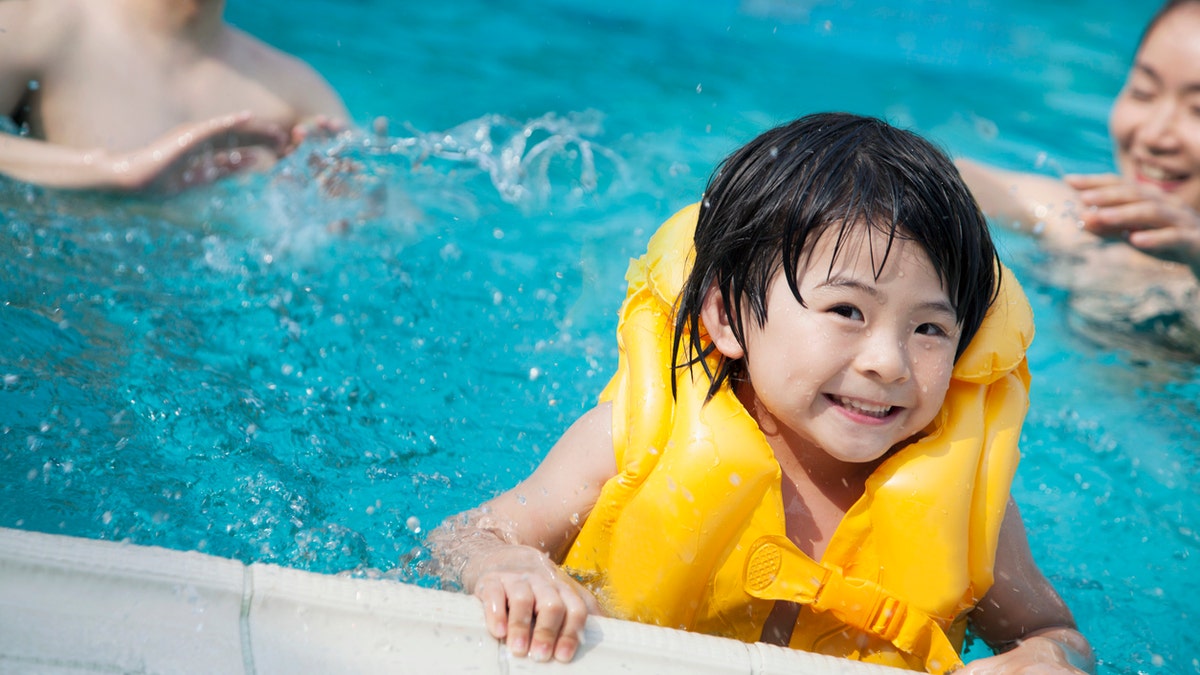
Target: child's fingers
551	611
521	604
538	617
495	607
577	610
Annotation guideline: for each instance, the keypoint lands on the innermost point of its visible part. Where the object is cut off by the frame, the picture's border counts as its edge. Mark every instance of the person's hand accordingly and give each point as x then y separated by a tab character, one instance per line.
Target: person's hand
1149	219
199	152
532	605
1055	651
317	128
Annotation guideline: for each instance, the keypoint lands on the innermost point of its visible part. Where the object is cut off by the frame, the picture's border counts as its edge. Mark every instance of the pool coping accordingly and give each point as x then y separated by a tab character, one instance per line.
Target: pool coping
70	605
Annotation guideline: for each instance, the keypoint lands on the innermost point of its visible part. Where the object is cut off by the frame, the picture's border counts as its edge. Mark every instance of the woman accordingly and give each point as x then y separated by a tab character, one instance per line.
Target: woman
1127	245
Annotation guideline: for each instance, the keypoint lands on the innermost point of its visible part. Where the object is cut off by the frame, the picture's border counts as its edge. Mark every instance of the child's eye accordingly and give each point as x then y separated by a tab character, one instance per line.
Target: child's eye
848	311
932	329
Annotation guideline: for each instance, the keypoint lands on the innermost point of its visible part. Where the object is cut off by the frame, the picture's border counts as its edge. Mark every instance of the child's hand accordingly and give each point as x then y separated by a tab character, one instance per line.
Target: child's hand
531	604
1060	651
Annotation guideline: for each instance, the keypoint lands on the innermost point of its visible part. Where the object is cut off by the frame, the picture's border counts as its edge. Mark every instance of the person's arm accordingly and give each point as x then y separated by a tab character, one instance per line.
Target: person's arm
1031	204
507	551
190	154
1147	218
1023	618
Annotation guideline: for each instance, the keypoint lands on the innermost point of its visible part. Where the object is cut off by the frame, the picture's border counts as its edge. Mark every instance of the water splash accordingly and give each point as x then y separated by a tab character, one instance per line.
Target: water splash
526	161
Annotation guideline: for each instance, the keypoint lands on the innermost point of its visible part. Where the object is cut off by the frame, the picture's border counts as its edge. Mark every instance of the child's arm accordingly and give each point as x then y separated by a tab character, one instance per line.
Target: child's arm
506	552
1023	618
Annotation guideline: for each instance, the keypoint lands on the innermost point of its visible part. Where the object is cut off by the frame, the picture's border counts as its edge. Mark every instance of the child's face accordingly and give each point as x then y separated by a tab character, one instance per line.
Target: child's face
866	365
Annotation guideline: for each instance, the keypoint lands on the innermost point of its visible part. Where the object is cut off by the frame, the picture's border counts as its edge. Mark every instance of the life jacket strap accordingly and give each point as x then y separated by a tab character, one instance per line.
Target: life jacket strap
777	570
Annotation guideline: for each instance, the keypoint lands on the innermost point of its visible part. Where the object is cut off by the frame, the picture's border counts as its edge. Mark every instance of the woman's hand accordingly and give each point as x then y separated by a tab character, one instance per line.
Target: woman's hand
1151	220
532	605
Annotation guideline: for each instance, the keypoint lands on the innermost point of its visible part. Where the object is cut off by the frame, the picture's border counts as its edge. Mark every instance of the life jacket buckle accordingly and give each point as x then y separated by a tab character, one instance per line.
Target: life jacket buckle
889	618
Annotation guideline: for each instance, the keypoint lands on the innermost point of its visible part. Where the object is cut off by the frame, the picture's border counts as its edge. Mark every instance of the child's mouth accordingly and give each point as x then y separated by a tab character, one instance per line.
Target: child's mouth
863	408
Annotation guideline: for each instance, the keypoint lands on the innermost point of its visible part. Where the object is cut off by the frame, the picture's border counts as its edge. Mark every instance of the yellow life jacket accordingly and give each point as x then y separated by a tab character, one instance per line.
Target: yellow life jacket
690	533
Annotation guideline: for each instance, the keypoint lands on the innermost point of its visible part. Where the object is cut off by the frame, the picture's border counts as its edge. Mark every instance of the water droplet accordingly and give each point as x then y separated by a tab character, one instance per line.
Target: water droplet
413	524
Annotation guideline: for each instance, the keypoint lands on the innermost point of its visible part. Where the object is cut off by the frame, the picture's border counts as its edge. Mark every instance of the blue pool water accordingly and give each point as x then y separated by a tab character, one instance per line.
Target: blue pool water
221	373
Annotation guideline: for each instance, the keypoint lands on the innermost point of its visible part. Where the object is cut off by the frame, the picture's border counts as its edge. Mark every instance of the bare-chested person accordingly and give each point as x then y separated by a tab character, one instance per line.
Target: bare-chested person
135	94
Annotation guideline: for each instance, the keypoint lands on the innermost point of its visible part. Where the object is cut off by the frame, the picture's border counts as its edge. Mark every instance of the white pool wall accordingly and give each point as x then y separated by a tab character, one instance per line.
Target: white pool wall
73	606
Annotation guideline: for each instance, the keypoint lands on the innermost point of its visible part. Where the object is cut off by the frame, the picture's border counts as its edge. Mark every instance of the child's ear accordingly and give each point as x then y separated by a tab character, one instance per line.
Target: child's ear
716	322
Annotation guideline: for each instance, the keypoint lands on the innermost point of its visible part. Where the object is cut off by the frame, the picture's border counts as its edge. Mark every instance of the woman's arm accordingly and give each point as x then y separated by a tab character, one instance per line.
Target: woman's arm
506	551
1028	203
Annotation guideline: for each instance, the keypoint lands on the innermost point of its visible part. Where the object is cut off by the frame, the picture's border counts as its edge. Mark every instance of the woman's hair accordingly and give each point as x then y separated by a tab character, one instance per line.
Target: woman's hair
769	201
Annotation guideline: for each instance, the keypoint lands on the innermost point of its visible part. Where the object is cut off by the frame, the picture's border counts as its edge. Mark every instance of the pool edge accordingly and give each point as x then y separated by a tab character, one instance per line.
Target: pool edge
72	605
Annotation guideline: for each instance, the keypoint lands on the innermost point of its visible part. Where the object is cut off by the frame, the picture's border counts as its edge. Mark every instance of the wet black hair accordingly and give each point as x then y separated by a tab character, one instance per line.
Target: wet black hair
769	201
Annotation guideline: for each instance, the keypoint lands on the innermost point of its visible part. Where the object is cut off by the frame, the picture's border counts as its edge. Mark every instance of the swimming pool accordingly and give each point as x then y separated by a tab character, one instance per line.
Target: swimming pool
222	373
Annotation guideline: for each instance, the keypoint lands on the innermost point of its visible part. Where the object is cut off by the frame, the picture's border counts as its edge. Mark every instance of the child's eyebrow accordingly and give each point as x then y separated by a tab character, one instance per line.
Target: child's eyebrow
941	306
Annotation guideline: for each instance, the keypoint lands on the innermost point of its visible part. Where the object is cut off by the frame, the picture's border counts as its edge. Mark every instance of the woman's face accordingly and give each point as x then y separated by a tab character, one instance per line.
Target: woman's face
1155	121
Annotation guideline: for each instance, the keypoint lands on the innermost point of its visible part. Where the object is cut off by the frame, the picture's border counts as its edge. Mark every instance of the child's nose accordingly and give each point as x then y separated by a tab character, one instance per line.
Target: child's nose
885	357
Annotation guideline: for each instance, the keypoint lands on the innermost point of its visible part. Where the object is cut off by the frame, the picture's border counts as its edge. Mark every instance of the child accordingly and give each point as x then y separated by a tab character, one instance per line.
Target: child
823	361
